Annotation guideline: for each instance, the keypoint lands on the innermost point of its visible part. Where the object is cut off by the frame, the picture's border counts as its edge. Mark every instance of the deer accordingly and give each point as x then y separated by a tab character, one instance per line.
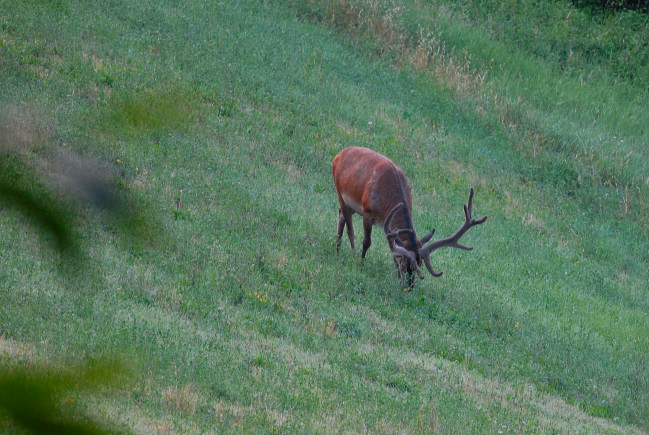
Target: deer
373	186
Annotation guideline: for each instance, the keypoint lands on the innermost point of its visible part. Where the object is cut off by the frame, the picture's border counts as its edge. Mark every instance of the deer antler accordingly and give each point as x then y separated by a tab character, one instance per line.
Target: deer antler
451	241
399	251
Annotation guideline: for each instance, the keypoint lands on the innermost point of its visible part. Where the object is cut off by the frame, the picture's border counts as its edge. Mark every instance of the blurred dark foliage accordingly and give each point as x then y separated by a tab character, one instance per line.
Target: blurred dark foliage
20	190
53	193
615	5
56	204
40	399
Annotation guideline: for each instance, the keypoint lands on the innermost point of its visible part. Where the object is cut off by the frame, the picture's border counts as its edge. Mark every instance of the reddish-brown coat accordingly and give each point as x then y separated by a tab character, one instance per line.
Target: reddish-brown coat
371	185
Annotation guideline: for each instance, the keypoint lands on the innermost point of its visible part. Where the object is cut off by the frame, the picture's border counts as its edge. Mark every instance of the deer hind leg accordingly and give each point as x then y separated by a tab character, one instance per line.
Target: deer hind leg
341	228
345	219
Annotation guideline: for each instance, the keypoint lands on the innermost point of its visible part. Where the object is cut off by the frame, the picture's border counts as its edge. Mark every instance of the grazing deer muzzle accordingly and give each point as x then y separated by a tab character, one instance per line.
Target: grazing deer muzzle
371	185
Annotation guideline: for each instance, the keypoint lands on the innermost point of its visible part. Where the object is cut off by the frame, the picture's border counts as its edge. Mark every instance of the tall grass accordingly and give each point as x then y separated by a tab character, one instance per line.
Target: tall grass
585	114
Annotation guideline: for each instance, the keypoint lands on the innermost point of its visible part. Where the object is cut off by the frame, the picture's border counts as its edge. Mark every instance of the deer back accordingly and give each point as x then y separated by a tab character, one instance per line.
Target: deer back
372	185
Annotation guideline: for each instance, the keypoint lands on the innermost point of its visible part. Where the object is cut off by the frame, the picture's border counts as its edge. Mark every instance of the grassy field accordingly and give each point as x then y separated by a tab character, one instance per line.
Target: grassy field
231	310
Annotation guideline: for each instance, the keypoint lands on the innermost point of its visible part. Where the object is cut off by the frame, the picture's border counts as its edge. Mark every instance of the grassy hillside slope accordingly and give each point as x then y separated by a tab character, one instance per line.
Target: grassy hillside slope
221	120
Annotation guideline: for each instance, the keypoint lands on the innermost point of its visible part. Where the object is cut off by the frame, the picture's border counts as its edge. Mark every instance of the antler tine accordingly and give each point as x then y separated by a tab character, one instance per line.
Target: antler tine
429	266
453	241
417	269
427	237
468	211
394	234
386	226
470	202
388	220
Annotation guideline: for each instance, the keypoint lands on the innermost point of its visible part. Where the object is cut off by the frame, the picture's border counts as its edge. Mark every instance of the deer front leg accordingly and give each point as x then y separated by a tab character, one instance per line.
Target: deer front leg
410	280
396	264
403	274
367	234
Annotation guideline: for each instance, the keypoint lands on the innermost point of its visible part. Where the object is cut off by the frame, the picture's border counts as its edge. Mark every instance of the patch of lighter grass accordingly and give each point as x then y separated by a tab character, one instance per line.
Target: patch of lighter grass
238	414
152	317
136	419
181	399
15	351
24	126
550	412
293	356
384	24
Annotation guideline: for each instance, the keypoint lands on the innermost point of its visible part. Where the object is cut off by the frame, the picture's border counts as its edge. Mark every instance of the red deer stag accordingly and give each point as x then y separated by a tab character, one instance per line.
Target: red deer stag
374	187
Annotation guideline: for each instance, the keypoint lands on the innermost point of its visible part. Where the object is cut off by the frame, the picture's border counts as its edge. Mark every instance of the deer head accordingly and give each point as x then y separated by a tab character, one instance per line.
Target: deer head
408	260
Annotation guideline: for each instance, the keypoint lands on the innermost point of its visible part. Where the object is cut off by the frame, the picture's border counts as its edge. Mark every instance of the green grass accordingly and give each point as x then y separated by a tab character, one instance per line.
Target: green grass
218	121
